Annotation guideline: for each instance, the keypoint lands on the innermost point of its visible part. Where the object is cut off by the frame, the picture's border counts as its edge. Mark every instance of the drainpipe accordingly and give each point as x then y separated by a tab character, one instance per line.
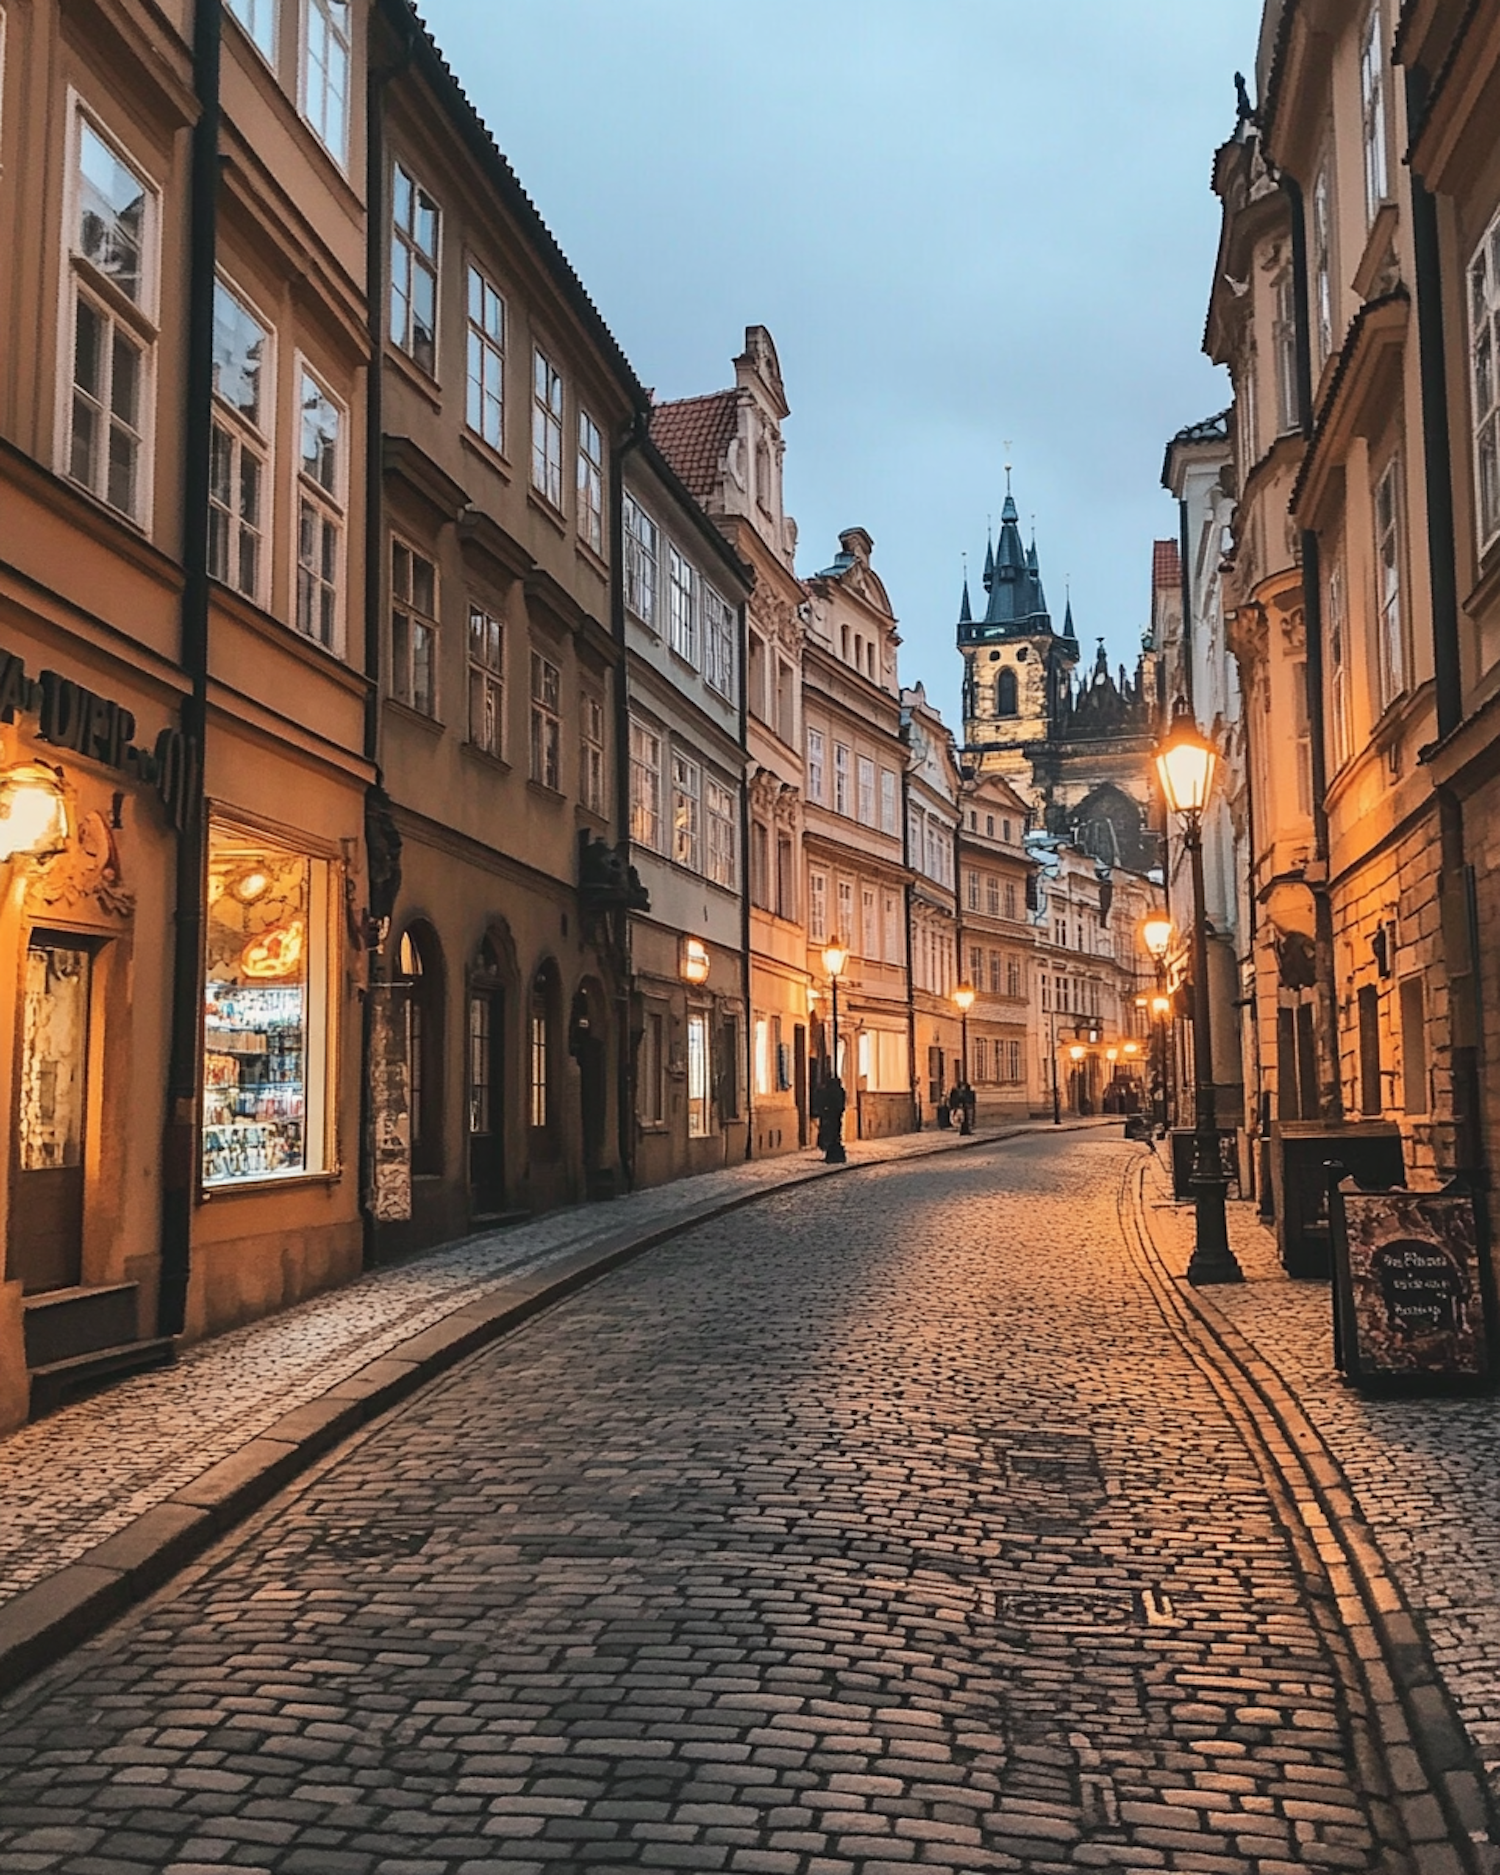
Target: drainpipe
377	83
909	894
625	1064
1330	1079
745	969
1185	575
180	1143
1460	937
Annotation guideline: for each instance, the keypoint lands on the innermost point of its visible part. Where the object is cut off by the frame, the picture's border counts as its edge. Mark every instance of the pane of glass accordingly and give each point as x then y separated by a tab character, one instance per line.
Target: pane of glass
427	225
476	296
330	551
1489	477
422	695
250	481
257	1046
239	351
1484	374
220	466
422	582
88	350
125	380
320	436
124	454
218	543
83	456
249	571
402	198
112	211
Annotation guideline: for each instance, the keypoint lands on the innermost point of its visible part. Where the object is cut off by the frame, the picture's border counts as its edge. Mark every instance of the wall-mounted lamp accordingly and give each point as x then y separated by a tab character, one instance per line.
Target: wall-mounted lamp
694	964
33	817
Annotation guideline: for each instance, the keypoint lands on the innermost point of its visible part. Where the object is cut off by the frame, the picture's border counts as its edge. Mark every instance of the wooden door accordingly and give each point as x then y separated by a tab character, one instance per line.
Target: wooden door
46	1223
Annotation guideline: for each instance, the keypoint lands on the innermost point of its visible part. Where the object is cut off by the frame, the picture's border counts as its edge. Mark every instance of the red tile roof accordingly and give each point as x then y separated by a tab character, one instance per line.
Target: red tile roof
693	434
1166	565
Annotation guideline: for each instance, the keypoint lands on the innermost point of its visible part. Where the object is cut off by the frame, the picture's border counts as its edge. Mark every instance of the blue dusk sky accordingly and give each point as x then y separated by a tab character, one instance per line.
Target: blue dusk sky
963	222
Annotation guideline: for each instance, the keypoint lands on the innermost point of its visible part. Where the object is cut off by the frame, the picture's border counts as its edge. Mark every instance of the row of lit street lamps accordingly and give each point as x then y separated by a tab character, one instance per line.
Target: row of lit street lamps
1186	764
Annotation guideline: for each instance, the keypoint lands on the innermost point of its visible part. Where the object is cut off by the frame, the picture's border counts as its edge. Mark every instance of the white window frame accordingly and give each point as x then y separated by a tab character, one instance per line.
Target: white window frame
817	905
682	606
888	820
844	899
590	490
722	814
1321	243
253	438
1373	133
687	811
544	718
1484	384
865	790
486	681
257	20
869	926
329	506
485	318
817	749
1390	624
342	43
841	778
642	563
645	786
414	630
548	403
894	927
591	751
411	263
718	641
1288	398
133	316
1340	725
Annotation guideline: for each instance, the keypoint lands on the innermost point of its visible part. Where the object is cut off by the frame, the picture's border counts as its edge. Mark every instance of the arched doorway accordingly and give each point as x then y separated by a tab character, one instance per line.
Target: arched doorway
486	1081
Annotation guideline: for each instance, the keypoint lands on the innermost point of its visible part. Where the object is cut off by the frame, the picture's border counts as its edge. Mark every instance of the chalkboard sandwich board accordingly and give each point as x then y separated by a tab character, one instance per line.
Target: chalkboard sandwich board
1408	1291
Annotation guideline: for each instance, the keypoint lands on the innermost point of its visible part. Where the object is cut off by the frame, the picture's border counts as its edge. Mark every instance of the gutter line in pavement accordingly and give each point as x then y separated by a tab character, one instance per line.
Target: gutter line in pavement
1437	1785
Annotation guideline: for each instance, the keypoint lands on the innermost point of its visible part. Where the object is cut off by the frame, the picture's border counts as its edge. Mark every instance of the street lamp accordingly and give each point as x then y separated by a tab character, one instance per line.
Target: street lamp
1156	935
694	964
833	1099
1185	765
964	997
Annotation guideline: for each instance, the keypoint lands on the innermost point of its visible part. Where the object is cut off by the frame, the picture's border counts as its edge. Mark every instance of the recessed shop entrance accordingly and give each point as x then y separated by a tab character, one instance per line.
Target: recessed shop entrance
52	1113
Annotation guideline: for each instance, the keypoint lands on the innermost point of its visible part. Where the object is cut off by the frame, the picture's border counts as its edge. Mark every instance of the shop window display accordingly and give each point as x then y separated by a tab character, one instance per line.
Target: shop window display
264	1039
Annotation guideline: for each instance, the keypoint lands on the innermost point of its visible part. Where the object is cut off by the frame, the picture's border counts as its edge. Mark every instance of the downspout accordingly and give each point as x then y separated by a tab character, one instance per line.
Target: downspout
1330	1078
180	1144
377	81
1460	943
1185	576
744	870
909	894
625	1064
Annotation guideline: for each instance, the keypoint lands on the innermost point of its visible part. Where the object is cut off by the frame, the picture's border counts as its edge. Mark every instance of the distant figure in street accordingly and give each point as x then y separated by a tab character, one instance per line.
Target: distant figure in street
961	1105
829	1112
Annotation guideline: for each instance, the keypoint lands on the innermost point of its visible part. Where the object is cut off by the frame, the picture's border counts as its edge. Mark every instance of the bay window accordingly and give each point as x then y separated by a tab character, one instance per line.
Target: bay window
1484	383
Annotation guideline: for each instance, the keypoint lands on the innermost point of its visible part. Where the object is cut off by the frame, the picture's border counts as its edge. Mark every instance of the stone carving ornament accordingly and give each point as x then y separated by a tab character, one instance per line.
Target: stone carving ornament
87	869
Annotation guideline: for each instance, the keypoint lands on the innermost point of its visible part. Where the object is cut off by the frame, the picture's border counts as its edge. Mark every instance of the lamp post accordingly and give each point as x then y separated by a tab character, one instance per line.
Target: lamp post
1185	765
1056	1100
1157	932
964	997
833	1100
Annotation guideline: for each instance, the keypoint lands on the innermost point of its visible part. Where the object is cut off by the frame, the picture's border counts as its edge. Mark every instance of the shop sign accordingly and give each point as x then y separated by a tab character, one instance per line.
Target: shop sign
71	717
389	1193
1408	1292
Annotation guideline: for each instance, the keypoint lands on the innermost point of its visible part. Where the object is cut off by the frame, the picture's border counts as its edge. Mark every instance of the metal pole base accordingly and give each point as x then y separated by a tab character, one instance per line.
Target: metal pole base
1213	1261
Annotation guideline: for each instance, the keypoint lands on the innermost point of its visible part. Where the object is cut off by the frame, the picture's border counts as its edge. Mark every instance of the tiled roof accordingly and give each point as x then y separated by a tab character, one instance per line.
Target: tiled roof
693	434
1166	565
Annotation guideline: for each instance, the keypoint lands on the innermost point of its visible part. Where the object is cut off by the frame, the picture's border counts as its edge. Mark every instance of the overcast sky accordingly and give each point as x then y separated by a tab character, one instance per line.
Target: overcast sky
962	220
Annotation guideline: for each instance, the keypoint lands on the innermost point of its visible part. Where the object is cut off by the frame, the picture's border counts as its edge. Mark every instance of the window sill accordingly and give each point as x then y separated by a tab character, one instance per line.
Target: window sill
1487	586
320	657
268	1185
552	515
591	558
543	792
419	380
487	454
419	719
486	759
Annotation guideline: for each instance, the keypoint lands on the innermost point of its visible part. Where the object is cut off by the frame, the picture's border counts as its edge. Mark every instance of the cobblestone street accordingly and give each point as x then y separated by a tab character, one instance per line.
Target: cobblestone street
881	1524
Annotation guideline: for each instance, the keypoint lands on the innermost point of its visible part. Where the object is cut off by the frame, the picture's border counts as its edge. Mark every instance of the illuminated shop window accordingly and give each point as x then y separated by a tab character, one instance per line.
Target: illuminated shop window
265	1020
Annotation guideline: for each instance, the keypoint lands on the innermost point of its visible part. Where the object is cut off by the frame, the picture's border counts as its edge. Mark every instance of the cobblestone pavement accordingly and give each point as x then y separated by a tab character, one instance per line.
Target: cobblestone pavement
880	1526
72	1480
1423	1471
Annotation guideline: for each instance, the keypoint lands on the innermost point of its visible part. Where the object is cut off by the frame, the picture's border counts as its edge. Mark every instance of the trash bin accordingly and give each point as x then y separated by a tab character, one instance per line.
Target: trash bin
1369	1150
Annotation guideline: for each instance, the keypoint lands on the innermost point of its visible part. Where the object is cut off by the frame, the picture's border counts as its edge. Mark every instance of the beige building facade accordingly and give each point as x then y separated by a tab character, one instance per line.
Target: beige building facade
854	839
997	951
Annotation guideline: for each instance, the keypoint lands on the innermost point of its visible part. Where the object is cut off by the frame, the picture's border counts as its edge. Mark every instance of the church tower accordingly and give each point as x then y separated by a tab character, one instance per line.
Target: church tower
1017	670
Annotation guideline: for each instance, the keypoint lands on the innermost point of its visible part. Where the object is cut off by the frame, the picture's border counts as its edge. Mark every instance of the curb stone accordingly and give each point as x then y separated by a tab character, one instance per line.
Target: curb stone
1437	1784
47	1621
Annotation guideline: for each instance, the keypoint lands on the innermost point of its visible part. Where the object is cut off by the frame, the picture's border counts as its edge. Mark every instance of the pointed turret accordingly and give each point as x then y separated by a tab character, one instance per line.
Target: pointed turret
1068	631
989	560
965	610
